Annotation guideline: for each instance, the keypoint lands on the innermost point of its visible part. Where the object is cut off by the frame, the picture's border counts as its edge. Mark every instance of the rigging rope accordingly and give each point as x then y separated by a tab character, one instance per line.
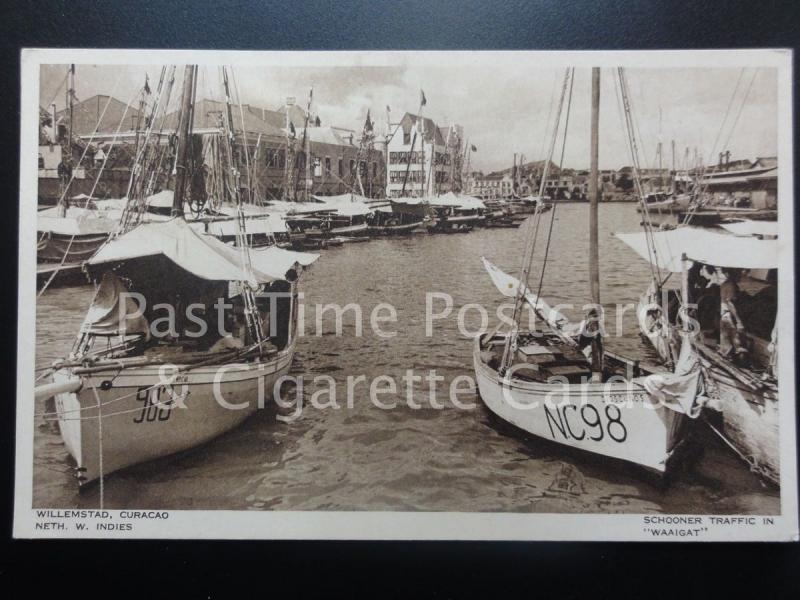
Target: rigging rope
532	233
555	204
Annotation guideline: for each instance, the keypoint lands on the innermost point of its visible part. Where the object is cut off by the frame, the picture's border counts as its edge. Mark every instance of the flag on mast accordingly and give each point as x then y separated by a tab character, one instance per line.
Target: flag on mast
368	124
422	100
473	148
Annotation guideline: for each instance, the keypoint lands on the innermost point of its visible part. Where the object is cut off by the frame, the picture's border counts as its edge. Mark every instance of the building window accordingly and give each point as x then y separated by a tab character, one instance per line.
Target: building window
276	159
341	167
317	167
352	167
327	165
407	137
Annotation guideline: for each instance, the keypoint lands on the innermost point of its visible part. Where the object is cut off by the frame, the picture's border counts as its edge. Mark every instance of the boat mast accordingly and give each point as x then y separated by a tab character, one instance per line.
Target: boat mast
594	260
70	104
184	142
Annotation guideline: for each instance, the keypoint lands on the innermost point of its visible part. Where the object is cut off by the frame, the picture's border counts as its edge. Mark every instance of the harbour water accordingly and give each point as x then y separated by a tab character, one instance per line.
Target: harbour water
434	458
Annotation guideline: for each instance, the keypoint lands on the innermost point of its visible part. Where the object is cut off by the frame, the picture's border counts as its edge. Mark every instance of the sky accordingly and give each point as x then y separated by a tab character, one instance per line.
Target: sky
503	109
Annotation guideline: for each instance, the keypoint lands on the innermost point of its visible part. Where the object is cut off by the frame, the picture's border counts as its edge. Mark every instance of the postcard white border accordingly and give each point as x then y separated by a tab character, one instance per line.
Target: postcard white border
222	524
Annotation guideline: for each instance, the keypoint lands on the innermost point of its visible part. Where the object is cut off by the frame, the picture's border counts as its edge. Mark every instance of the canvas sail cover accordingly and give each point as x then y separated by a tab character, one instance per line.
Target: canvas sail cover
458	201
110	315
202	255
765	228
681	390
267	224
341	199
705	246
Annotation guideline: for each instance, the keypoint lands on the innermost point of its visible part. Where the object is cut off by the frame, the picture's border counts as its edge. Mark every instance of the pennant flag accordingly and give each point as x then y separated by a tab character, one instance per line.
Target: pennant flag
317	121
292	129
422	100
388	109
146	84
474	149
368	124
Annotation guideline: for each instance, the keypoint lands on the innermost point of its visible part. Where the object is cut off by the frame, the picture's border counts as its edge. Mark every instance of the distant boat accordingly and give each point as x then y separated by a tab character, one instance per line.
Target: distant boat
453	213
394	218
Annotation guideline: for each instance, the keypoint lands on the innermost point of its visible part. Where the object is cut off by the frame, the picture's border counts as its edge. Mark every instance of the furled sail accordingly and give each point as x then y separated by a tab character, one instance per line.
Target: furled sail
508	286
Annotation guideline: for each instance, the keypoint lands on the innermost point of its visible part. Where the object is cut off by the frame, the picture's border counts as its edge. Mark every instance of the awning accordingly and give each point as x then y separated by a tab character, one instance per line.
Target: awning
766	228
202	255
162	199
90	223
341	199
346	209
267	224
705	246
458	201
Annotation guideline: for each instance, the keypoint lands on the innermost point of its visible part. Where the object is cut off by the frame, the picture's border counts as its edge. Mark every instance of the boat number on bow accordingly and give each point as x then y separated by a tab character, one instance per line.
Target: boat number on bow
586	422
153	407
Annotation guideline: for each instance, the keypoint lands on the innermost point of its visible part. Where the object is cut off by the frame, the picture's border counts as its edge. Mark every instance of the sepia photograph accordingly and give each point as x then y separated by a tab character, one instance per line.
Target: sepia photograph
406	295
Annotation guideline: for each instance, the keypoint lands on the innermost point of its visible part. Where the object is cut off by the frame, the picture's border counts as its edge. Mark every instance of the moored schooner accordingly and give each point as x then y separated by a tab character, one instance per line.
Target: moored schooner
131	391
728	287
559	383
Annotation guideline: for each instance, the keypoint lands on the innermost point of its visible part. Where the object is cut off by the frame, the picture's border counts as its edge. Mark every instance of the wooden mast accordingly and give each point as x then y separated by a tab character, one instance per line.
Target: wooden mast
71	105
184	143
594	259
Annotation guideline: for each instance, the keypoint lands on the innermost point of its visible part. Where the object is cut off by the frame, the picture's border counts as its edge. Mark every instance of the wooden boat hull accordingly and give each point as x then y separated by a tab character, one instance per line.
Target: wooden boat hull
52	247
749	417
140	422
390	230
349	230
750	421
503	224
614	420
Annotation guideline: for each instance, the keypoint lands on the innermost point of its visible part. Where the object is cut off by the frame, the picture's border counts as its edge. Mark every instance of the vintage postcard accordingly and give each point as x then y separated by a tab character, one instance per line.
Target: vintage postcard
406	295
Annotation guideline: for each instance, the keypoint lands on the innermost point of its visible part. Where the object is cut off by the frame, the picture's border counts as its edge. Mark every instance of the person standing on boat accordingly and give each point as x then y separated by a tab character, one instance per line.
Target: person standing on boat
592	335
731	327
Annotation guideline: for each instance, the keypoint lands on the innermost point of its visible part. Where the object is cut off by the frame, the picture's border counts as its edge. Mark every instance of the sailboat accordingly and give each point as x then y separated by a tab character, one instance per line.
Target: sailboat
740	377
130	392
559	384
72	230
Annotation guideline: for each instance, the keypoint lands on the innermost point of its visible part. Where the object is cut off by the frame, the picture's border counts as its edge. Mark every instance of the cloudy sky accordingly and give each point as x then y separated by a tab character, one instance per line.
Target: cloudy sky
502	109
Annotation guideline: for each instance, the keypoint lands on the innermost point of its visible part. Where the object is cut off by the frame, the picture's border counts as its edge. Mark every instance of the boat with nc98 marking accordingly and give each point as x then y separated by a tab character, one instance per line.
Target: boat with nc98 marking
557	381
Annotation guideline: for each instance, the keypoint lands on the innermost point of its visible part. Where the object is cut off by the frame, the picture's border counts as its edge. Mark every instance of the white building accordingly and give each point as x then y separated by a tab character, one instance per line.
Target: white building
419	160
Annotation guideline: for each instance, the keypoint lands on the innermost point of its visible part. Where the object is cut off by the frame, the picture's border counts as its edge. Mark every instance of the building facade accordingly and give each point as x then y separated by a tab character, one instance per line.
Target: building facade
275	158
423	158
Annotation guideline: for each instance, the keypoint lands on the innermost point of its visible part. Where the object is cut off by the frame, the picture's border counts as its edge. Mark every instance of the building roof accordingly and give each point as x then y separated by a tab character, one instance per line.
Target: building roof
430	129
209	114
324	135
86	115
